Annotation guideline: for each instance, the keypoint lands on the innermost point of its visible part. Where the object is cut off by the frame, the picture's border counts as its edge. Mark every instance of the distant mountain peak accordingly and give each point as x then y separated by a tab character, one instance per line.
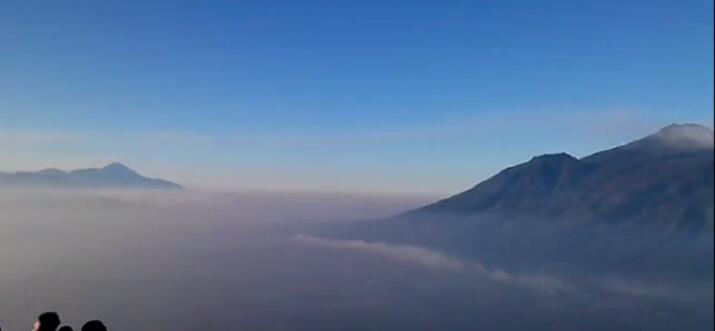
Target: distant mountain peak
113	175
672	139
684	136
555	157
118	168
116	165
51	171
685	126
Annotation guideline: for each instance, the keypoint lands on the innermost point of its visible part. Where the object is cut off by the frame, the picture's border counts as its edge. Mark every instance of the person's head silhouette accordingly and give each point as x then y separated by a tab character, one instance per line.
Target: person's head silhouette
48	321
94	326
65	328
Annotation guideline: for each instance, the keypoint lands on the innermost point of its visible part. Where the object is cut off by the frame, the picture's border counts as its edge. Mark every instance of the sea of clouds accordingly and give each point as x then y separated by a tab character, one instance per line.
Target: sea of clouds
250	261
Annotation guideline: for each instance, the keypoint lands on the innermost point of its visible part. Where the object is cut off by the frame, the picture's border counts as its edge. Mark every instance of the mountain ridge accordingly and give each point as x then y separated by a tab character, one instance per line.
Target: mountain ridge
113	176
665	177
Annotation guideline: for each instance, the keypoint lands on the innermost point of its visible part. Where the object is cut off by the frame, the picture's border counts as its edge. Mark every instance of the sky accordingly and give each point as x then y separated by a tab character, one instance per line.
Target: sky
367	96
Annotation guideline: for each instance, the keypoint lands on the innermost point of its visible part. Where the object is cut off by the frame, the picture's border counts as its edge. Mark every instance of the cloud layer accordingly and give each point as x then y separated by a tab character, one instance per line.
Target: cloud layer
433	260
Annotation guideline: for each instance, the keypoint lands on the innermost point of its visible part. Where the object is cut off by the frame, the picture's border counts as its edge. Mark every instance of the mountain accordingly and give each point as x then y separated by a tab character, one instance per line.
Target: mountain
665	178
114	175
643	210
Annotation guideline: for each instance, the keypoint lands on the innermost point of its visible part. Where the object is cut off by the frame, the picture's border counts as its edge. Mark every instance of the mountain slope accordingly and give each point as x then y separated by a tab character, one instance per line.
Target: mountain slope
114	175
664	178
642	210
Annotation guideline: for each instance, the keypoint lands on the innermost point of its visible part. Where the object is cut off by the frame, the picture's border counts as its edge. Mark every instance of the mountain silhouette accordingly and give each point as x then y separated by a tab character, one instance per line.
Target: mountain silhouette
665	178
113	175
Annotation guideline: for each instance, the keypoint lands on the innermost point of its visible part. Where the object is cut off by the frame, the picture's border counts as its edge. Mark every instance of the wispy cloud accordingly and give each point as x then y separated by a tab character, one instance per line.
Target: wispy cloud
401	253
640	289
541	283
430	259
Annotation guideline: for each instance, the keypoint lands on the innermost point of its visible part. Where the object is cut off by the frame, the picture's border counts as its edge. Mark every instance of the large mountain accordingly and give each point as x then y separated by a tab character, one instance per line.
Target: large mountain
665	178
643	210
114	175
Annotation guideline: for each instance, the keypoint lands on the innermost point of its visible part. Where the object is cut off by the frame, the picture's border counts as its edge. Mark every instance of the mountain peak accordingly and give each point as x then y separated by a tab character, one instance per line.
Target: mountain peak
685	126
687	135
51	171
556	157
664	178
113	175
115	165
118	168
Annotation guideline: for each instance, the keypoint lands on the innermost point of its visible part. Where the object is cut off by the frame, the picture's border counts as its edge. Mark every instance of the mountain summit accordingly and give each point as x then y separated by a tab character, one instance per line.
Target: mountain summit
114	175
684	136
673	139
118	168
666	177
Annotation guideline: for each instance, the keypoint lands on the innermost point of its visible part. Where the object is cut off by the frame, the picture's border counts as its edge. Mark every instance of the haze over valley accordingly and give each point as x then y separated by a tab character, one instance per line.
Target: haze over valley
320	261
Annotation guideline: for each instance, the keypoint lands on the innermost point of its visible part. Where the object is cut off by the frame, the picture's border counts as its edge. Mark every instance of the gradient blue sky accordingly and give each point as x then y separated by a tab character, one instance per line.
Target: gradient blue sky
377	96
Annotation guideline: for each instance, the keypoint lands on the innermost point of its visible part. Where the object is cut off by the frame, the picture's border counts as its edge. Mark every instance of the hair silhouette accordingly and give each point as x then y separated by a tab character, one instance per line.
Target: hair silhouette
65	328
49	321
94	325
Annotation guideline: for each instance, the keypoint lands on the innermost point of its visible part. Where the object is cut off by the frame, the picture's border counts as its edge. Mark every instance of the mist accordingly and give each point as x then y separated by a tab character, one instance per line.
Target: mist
287	261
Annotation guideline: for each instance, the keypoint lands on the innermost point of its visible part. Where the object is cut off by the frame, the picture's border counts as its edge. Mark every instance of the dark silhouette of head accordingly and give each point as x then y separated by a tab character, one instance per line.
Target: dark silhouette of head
48	321
94	326
65	328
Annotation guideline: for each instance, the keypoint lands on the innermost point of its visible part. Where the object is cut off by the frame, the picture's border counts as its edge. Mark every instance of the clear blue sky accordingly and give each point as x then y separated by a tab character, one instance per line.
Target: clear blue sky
399	96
